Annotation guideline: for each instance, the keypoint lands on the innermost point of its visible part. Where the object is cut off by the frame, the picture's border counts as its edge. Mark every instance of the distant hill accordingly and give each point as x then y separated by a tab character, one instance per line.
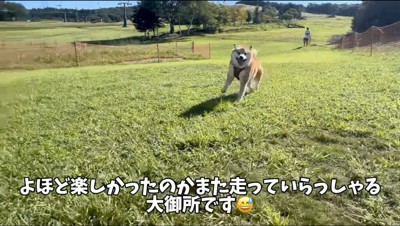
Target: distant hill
315	8
17	12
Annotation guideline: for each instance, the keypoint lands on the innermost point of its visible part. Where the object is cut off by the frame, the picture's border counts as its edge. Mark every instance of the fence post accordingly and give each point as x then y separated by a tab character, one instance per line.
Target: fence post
76	55
341	44
192	47
354	41
209	50
158	53
370	37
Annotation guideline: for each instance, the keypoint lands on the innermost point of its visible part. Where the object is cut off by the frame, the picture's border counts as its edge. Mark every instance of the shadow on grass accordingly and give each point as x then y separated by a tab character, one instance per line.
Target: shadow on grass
162	38
298	48
207	106
133	40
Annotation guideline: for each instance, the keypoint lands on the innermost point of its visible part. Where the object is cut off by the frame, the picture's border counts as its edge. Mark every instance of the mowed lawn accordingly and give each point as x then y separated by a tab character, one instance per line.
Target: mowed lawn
50	32
320	113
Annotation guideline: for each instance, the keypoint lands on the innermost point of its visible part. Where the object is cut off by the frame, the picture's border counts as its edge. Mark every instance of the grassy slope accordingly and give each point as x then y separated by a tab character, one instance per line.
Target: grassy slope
59	32
320	113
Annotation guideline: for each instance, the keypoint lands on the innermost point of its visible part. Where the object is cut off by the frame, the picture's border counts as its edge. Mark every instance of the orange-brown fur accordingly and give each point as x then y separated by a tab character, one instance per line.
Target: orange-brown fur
248	71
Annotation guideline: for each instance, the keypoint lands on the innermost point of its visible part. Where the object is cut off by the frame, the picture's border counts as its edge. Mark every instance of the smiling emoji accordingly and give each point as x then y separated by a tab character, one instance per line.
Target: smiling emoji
245	204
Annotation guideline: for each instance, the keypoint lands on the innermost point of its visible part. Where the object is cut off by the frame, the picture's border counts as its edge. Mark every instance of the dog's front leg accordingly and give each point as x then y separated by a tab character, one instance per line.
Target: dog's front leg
229	80
244	80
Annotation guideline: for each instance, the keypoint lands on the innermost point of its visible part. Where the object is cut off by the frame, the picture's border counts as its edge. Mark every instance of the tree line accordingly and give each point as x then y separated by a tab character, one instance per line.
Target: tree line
376	13
107	15
325	8
149	15
265	12
333	9
16	12
12	11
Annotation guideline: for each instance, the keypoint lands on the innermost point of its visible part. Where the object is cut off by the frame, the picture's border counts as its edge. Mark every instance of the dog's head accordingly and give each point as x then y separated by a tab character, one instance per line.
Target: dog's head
241	55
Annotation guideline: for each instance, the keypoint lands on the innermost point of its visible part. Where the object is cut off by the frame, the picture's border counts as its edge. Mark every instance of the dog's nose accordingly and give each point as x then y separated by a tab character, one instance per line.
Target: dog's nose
241	57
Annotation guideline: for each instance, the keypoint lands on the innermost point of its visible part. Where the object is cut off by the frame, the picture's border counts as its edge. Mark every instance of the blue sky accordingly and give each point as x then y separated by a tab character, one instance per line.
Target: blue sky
106	4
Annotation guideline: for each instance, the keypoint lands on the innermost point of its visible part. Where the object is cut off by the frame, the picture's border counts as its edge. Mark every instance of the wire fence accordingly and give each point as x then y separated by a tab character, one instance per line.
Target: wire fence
374	35
53	55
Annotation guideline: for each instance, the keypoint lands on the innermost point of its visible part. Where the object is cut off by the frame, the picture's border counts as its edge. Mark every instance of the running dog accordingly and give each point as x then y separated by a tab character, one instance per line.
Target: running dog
245	67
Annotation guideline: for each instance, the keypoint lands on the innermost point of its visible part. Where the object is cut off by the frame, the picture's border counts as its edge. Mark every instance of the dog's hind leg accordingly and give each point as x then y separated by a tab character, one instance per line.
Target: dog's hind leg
250	85
229	79
257	78
244	82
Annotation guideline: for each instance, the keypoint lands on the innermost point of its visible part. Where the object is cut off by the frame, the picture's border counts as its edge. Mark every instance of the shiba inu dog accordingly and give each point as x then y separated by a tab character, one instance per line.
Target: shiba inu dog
244	66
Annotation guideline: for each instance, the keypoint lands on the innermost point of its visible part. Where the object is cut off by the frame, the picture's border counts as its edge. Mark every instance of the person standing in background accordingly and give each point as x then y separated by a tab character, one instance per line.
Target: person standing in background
307	37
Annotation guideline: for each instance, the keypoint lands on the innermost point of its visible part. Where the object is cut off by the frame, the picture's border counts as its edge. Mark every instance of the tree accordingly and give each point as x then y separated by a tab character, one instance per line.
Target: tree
348	9
257	18
12	11
326	8
285	7
224	15
333	9
270	11
190	10
249	16
153	6
145	19
234	14
208	17
242	14
238	13
376	13
291	14
170	9
264	18
114	14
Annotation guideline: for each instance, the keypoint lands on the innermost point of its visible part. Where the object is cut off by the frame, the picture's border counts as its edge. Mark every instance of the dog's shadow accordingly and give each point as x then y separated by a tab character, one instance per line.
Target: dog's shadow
298	48
207	106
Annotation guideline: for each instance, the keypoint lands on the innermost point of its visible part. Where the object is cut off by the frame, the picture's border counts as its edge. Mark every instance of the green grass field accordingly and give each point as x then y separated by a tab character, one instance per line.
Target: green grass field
59	32
319	113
